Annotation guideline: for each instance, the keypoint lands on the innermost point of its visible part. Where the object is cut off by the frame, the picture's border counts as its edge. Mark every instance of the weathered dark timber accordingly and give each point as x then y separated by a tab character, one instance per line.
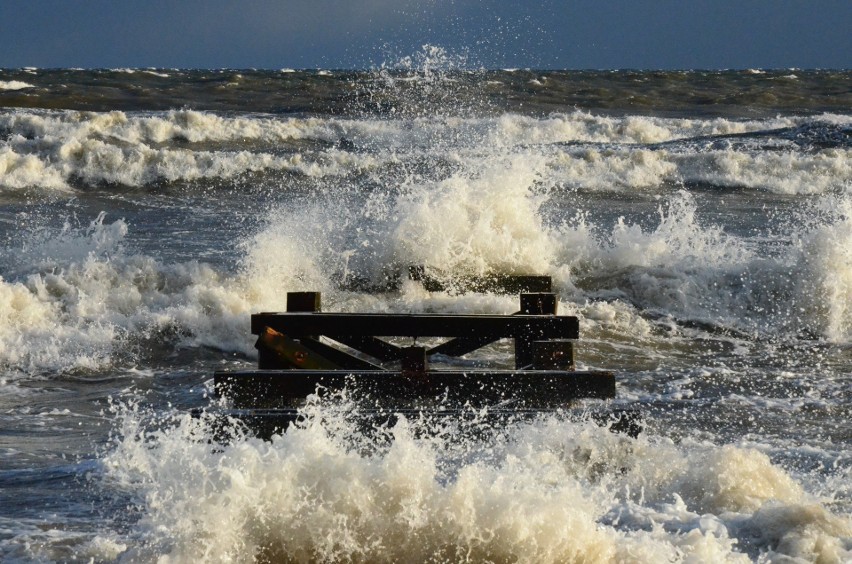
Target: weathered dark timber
462	345
340	358
271	357
284	352
267	389
534	304
413	362
531	304
418	325
557	354
538	303
304	301
384	351
544	378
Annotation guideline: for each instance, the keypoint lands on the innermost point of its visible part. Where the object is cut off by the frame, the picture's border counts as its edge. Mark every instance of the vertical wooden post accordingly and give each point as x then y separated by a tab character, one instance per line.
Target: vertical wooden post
540	303
413	361
557	354
296	302
304	302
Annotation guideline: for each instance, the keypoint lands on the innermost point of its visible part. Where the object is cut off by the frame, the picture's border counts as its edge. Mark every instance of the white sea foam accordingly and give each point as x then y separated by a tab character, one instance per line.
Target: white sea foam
81	296
458	223
48	150
43	148
779	172
824	267
82	293
590	128
613	170
544	491
88	297
698	271
135	129
489	221
22	171
14	85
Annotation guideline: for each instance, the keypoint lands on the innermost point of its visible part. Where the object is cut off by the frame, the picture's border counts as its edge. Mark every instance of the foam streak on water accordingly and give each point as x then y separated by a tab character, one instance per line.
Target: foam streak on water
705	249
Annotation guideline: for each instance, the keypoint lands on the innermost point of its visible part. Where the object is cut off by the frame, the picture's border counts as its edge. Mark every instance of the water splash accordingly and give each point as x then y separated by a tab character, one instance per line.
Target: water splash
547	490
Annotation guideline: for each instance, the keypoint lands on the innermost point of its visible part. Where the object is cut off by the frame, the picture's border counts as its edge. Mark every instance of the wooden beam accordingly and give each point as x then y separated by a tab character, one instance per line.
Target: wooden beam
304	301
557	354
372	346
531	304
343	359
290	353
534	327
461	345
413	362
528	389
538	303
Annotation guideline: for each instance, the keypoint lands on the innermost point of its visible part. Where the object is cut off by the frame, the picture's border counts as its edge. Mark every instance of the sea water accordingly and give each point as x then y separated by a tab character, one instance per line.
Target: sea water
699	224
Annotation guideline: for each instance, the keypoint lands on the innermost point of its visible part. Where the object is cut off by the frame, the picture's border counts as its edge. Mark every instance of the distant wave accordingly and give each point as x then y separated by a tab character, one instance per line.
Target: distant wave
575	151
14	85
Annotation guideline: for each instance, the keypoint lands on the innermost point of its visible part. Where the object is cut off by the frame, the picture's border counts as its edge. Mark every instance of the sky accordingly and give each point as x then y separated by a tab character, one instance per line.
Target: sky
340	34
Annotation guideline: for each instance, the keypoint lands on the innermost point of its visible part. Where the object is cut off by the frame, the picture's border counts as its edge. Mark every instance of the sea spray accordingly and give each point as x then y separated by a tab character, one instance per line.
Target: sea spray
824	267
89	298
702	247
101	294
476	223
547	490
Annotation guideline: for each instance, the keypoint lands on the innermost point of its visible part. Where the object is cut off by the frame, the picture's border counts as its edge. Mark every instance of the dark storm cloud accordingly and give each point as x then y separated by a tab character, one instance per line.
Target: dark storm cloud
337	33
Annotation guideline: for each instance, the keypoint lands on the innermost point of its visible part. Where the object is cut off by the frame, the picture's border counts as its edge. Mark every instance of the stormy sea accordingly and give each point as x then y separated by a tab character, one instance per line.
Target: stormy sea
698	223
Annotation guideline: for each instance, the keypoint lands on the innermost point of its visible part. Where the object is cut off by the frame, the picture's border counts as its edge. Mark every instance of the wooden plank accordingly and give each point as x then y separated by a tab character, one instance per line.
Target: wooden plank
304	301
557	354
461	345
413	362
529	389
435	280
533	327
375	347
388	282
538	303
288	353
337	356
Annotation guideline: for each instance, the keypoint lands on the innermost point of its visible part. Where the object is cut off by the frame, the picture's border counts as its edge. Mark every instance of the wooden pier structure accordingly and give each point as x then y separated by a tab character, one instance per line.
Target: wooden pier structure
304	351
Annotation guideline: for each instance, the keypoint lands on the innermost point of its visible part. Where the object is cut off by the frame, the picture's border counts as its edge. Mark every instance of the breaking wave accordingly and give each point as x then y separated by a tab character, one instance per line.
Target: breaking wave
58	150
547	490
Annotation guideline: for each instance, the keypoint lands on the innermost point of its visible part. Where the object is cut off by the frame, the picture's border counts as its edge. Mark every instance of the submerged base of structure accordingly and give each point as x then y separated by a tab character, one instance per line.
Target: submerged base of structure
534	389
304	351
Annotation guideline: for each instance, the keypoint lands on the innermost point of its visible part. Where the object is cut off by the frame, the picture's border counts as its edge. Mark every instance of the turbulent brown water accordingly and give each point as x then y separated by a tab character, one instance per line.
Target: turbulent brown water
738	94
698	223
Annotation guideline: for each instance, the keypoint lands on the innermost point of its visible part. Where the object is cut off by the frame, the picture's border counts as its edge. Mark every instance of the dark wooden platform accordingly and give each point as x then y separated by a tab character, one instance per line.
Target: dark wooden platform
304	351
265	389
